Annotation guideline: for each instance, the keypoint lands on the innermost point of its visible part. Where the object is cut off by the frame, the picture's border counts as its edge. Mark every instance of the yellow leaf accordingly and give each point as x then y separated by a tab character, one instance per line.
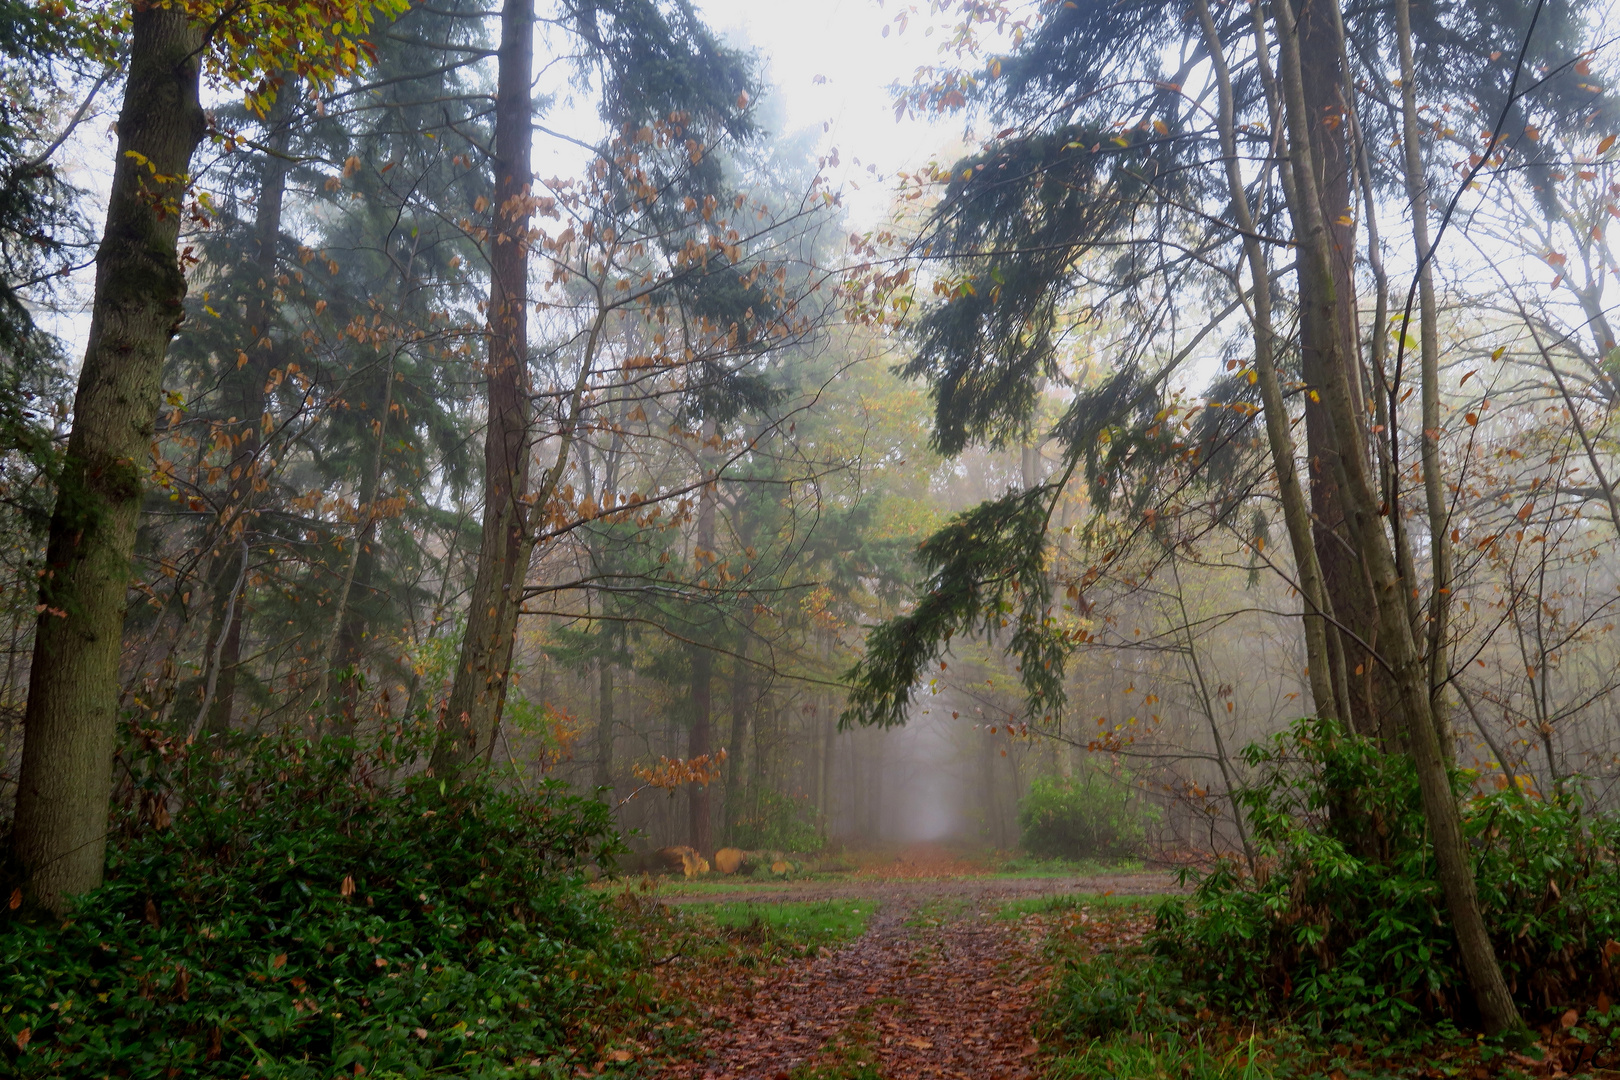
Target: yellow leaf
1160	127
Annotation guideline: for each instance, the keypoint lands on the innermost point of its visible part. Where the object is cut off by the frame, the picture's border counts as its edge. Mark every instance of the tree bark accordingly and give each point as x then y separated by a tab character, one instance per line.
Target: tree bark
70	724
1321	47
1279	434
1440	558
1407	670
478	691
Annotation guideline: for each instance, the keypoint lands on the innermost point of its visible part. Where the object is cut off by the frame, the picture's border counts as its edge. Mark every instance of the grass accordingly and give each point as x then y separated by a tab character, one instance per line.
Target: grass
773	929
1161	1054
1067	903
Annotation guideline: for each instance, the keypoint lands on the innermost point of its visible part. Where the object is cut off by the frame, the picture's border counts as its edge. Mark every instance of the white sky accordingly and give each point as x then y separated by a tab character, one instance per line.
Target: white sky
843	41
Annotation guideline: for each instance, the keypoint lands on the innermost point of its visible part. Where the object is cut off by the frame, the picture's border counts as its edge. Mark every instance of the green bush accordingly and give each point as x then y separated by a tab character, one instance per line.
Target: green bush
1342	924
1090	817
300	917
776	822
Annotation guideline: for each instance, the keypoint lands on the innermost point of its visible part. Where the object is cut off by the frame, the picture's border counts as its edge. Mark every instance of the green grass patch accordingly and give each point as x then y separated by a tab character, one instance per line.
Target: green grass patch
1162	1054
768	931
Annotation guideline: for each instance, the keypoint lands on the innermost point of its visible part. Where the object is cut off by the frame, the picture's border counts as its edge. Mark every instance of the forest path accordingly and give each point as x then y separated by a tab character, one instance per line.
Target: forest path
940	985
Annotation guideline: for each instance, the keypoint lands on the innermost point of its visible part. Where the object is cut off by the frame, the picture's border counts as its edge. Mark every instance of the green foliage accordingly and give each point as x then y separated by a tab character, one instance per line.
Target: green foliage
1085	817
986	568
1343	923
777	822
301	917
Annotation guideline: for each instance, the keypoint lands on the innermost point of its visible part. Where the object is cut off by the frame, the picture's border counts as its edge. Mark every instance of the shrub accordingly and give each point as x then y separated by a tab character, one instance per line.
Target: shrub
1090	817
301	917
776	822
1342	924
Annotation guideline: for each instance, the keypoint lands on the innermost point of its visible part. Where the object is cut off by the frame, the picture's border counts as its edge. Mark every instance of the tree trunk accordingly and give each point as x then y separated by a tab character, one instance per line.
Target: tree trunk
479	689
1279	435
1407	670
1417	191
1344	581
69	727
245	383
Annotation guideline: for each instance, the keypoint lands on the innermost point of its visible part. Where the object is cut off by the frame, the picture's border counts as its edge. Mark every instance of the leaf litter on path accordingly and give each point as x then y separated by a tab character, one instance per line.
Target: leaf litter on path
954	995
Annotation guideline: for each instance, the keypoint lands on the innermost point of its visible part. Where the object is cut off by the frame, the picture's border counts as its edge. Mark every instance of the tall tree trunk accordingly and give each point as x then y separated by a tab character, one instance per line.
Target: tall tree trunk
1345	585
1408	671
1417	191
1279	435
69	727
245	382
479	689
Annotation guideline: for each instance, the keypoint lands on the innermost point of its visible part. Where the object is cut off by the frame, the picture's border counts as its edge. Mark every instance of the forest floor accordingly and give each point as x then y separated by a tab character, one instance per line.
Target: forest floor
942	983
919	965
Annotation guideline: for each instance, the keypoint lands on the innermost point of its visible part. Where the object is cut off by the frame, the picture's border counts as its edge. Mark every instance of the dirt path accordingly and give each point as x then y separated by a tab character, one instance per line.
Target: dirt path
938	986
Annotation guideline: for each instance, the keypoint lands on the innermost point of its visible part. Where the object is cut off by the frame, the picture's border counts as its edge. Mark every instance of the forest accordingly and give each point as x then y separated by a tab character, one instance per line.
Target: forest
547	538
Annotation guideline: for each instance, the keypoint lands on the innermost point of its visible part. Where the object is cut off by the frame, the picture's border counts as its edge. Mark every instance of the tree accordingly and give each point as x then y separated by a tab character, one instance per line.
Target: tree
59	834
1109	204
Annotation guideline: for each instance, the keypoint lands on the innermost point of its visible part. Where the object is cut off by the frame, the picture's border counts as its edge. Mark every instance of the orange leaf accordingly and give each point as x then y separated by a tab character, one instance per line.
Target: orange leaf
23	1036
1608	141
16	900
1569	1019
280	961
347	888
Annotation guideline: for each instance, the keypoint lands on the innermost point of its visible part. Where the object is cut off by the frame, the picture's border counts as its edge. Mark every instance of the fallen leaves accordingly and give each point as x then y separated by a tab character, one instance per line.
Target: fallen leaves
947	997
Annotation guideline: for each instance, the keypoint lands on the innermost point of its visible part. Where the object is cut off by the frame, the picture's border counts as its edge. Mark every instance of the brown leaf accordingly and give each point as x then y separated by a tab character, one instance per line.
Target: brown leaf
1569	1019
23	1036
279	962
347	889
152	914
16	900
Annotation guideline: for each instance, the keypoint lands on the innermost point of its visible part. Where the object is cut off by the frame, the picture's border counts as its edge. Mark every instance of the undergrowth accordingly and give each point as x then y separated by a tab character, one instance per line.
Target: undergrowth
1341	924
283	910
